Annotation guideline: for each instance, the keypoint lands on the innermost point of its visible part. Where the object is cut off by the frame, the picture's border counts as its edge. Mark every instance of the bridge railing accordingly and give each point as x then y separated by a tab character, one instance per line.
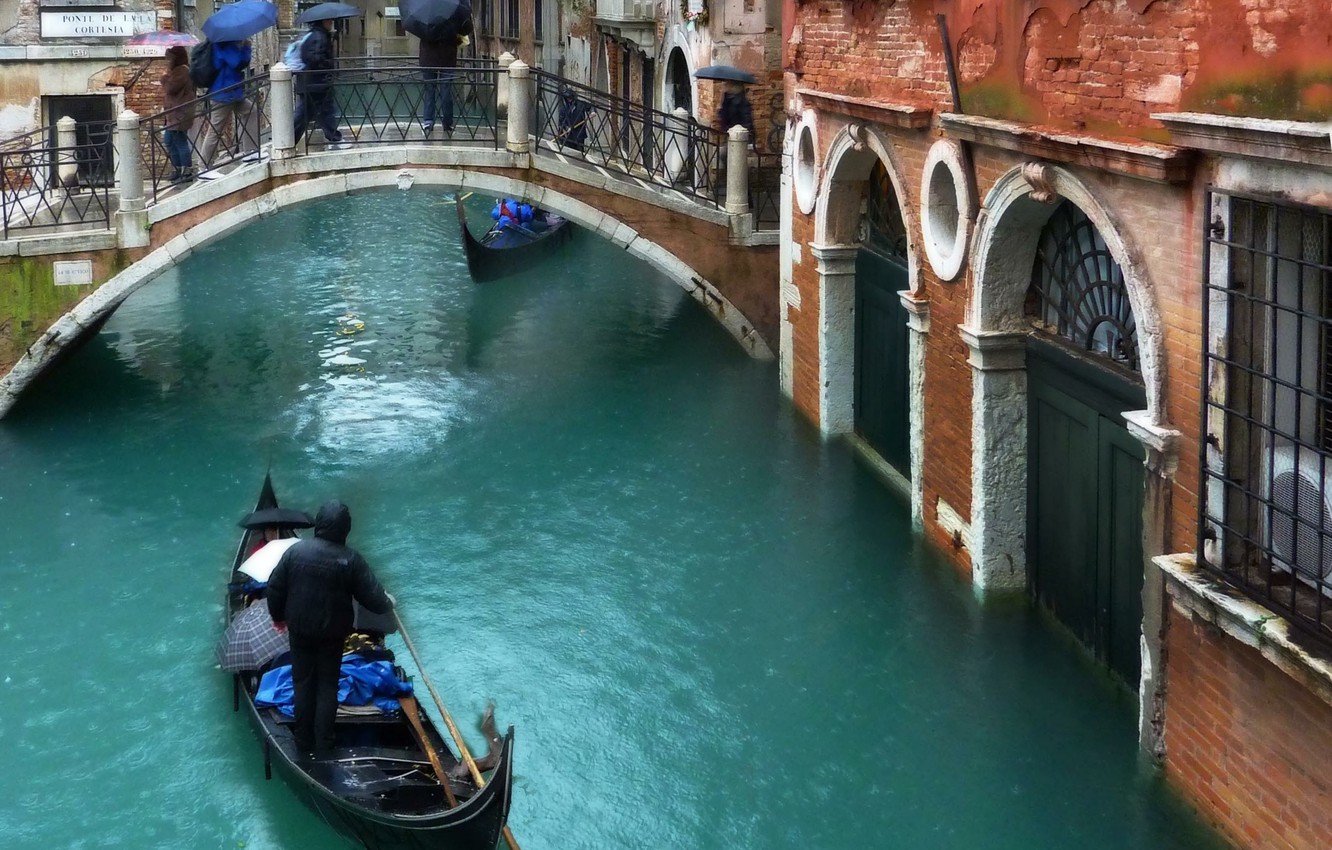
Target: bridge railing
218	129
57	178
377	103
667	149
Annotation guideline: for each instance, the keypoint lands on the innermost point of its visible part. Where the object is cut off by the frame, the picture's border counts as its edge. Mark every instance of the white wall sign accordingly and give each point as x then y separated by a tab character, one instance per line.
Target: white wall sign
73	272
143	51
97	24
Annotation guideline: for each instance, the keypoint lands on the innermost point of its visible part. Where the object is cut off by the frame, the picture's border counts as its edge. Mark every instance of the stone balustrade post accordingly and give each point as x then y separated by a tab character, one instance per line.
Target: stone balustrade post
502	83
282	102
520	106
679	158
737	171
67	140
131	215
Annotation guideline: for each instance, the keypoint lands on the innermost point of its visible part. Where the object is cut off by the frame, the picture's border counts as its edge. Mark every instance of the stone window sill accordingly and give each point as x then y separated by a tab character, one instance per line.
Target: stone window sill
1262	138
1199	596
1163	163
901	115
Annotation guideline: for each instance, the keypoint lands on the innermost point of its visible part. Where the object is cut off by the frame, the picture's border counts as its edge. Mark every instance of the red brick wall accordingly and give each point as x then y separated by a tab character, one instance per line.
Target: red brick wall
1246	743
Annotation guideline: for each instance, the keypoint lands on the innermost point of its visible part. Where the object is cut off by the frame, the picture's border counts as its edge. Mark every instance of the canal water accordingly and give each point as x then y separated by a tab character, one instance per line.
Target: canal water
710	629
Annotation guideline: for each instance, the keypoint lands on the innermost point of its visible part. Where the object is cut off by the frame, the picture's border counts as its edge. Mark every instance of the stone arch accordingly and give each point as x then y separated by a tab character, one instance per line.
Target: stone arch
89	313
677	49
1005	248
847	164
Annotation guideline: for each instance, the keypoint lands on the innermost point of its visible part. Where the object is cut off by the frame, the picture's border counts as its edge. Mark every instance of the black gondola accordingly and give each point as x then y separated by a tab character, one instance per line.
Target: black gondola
504	251
378	787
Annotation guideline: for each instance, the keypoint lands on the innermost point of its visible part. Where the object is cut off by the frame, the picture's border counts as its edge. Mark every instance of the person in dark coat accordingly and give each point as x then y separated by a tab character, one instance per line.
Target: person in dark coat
736	111
572	121
434	57
178	106
310	595
314	85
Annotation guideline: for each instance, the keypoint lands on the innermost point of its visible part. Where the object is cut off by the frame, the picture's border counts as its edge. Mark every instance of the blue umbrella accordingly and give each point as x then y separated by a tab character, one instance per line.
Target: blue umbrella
238	21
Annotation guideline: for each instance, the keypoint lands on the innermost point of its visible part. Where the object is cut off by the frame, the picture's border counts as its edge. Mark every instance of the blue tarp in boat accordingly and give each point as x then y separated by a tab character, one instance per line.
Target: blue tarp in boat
363	682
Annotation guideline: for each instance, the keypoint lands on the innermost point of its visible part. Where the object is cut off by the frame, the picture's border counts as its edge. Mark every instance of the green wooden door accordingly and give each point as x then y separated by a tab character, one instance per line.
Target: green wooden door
882	412
1085	483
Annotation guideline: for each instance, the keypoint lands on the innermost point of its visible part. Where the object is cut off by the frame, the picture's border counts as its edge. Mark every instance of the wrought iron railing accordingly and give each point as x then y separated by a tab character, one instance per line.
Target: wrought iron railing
388	104
46	185
1265	516
614	133
229	125
765	191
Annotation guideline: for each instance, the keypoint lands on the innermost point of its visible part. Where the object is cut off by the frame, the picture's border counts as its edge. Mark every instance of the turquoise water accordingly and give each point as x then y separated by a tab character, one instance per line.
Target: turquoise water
710	629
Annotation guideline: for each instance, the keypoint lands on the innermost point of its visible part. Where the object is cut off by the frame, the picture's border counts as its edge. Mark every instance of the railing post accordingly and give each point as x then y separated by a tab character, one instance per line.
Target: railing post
737	171
502	83
282	101
520	106
131	217
67	140
677	145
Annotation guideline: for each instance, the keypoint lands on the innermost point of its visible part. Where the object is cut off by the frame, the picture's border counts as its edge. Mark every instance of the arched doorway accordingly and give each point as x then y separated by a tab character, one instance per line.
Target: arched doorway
679	89
1084	470
882	401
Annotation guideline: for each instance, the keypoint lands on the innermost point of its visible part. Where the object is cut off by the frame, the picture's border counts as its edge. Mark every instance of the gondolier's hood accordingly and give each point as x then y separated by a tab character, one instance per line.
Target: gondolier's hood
333	522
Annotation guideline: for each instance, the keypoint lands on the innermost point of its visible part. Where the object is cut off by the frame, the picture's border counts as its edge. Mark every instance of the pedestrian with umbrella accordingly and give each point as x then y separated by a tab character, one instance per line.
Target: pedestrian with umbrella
314	84
228	30
178	109
441	26
735	109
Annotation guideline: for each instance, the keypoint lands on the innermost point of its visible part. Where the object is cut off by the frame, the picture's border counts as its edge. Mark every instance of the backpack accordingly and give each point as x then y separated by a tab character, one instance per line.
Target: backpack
202	70
292	57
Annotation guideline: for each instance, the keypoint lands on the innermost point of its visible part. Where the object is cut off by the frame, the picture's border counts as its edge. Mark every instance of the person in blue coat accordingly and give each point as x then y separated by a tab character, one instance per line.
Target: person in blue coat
230	112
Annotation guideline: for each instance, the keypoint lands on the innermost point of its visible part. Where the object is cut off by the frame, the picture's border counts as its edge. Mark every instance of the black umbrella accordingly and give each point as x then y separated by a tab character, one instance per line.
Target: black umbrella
724	72
329	12
281	517
434	20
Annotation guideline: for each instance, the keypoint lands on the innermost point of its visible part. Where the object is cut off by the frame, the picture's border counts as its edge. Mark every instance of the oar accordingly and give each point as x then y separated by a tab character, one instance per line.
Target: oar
410	709
448	721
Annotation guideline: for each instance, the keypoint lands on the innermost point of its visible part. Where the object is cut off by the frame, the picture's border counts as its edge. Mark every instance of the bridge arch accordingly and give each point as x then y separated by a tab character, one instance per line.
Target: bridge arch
90	313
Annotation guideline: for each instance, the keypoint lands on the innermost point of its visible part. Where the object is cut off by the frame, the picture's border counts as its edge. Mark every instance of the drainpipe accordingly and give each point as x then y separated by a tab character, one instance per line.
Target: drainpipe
956	91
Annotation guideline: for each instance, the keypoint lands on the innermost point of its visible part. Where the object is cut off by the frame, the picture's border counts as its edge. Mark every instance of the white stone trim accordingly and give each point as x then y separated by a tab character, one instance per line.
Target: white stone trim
946	207
837	336
805	163
918	321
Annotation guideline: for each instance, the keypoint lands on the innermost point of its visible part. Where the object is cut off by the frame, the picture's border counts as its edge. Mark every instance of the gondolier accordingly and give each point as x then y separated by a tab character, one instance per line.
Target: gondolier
310	593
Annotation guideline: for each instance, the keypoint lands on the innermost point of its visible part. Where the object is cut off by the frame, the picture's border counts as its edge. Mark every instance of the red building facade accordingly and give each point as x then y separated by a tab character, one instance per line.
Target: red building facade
1064	269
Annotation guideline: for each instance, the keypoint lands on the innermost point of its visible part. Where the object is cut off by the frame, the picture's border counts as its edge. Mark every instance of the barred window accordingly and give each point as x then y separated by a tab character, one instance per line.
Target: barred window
1266	521
883	229
509	27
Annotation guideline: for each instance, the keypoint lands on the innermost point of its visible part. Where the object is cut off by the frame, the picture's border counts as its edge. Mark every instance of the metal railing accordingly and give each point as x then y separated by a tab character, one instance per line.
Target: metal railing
765	191
378	104
229	125
614	133
50	183
1265	506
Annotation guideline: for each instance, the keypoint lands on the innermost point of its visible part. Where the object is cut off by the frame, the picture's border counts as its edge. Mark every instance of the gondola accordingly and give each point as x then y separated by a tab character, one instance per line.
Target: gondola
378	787
505	251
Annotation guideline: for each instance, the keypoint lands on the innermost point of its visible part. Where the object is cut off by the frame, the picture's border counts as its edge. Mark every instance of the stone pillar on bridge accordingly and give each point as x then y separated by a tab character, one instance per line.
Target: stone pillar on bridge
131	215
282	100
520	106
67	141
737	171
502	83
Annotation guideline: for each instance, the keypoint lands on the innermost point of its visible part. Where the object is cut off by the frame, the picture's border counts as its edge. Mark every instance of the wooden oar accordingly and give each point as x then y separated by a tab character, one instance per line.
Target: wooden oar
448	721
412	712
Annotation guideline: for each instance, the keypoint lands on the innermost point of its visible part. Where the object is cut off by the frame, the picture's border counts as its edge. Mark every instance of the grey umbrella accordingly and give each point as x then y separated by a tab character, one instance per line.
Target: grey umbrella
724	72
329	12
251	641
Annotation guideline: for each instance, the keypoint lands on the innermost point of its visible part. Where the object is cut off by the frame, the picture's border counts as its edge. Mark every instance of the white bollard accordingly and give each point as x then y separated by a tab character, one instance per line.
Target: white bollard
282	103
67	139
502	83
737	171
520	106
129	155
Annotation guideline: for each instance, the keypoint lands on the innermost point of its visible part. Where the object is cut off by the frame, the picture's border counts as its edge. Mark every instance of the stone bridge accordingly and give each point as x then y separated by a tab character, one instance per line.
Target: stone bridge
59	286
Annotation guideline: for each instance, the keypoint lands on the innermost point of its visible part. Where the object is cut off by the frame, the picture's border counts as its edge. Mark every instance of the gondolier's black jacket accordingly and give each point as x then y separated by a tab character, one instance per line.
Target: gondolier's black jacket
313	585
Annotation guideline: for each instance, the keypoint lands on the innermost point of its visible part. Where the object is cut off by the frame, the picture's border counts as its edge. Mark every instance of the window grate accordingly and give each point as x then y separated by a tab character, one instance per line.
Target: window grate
884	230
1265	517
1077	289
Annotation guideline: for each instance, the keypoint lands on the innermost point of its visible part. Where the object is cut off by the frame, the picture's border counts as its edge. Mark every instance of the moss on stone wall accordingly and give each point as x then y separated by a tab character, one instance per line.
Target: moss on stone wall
1303	95
30	302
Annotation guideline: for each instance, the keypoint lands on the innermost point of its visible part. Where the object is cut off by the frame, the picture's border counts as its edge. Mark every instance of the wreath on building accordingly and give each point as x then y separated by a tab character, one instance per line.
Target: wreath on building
699	16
